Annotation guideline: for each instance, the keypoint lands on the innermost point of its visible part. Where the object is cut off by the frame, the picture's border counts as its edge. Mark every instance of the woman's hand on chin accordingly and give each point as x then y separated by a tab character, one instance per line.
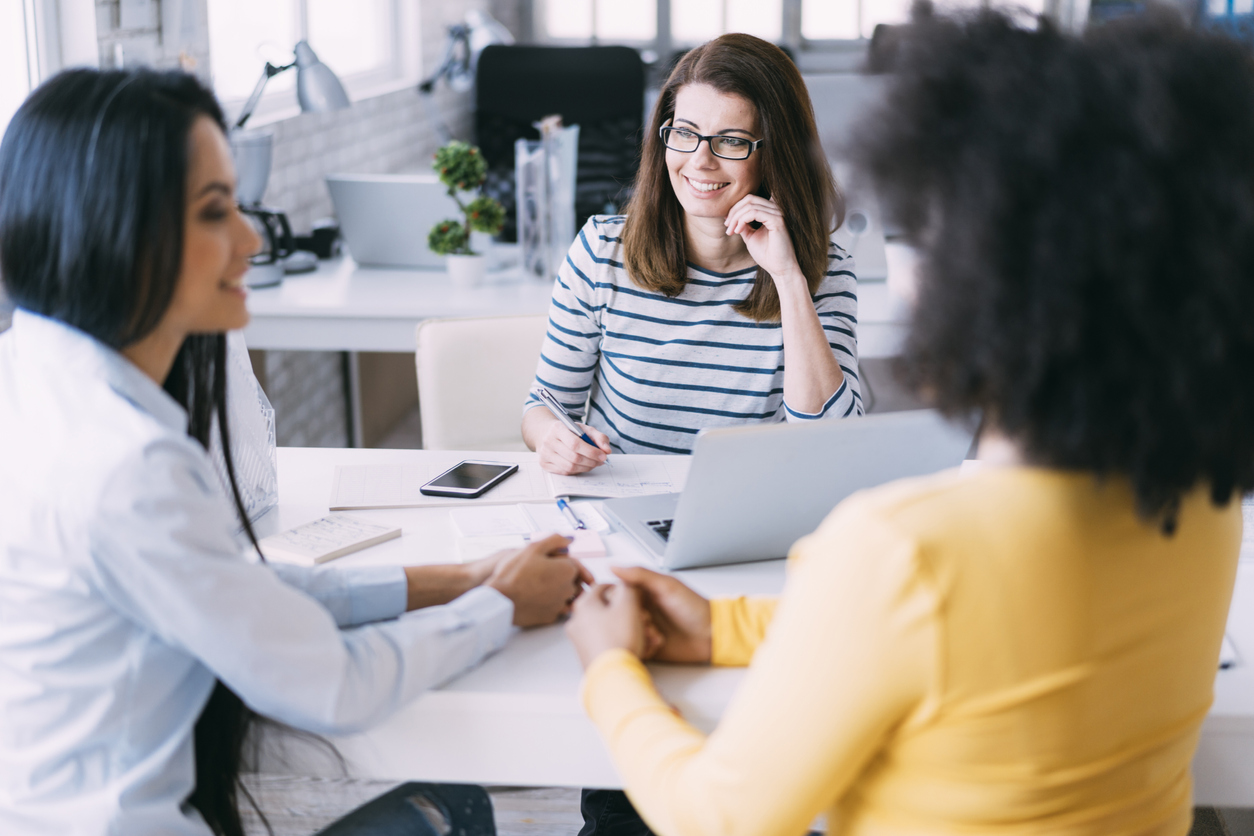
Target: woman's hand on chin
770	245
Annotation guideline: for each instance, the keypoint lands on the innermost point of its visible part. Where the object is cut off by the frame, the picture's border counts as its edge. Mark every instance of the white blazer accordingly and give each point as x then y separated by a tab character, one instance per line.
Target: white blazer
124	594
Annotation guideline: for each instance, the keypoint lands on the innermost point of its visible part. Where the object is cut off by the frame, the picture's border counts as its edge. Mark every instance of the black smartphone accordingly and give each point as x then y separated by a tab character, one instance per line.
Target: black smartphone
469	479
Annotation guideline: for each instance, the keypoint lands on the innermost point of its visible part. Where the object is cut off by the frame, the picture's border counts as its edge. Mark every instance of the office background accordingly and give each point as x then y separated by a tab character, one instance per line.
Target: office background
381	48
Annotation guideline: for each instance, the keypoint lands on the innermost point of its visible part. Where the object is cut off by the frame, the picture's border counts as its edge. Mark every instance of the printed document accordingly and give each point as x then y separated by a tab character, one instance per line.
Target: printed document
362	487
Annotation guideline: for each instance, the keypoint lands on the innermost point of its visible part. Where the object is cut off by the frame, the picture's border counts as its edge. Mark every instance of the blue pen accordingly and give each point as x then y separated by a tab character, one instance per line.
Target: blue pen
559	412
564	507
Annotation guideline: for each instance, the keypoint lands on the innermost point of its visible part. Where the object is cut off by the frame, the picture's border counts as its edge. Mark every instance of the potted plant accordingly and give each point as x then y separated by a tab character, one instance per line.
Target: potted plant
462	169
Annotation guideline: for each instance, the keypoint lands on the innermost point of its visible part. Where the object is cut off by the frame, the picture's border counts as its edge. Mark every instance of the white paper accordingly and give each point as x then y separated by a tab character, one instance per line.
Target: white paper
546	516
361	487
491	521
587	511
487	530
473	548
625	475
397	486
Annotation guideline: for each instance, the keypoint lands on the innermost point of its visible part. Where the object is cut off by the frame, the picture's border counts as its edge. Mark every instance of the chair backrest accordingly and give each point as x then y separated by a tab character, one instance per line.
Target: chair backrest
598	88
473	376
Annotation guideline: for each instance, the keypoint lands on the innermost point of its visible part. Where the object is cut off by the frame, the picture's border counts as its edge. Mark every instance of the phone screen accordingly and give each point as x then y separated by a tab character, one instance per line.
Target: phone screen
469	476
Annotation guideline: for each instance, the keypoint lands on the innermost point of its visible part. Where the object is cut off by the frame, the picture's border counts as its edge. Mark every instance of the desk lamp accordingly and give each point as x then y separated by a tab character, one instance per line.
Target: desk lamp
318	90
461	58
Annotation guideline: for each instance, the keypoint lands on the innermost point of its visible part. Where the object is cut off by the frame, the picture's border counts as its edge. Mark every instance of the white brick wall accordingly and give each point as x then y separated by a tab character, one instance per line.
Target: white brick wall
306	389
383	134
159	33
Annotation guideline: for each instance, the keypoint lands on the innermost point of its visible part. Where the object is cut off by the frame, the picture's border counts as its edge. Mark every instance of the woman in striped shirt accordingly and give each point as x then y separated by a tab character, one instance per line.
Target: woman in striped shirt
678	316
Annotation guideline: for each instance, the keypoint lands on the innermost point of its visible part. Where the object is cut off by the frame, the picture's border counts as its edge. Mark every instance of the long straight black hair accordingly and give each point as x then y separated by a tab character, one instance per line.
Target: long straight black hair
93	173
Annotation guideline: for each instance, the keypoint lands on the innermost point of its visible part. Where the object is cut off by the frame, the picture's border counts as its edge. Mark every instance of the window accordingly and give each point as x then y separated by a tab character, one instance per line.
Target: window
368	43
697	21
1229	8
610	20
38	38
843	20
18	73
824	24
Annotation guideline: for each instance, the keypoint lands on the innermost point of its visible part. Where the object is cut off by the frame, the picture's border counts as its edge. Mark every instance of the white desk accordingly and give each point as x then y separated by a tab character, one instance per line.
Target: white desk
343	307
516	720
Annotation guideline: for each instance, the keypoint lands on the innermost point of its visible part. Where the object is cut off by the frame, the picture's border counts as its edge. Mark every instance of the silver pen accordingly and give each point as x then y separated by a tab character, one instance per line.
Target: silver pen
560	413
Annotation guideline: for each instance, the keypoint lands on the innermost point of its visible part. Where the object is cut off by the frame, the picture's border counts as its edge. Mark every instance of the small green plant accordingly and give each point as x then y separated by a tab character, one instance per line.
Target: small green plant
462	169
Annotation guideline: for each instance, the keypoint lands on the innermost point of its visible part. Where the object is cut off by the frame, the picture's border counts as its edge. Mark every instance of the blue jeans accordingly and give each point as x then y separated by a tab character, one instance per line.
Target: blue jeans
464	806
609	813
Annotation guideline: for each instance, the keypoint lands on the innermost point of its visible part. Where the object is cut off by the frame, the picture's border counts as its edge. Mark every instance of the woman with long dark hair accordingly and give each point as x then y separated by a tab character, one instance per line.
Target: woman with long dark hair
136	638
1029	646
719	298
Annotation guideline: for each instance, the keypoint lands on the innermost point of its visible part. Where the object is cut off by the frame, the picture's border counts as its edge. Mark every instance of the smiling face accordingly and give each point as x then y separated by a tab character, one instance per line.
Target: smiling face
217	241
708	186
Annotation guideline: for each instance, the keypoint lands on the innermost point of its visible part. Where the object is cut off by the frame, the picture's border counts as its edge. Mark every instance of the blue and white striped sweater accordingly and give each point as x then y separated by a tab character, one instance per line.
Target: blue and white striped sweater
651	371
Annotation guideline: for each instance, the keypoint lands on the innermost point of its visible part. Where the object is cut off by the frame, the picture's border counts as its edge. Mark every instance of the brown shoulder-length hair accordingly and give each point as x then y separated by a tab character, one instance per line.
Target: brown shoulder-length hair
795	173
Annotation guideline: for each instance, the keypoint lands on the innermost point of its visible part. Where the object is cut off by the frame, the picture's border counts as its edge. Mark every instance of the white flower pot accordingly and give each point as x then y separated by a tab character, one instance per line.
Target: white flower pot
467	270
482	243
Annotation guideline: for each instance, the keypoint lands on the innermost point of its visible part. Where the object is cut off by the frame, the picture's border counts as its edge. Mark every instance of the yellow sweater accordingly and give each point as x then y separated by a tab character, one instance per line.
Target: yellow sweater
1008	651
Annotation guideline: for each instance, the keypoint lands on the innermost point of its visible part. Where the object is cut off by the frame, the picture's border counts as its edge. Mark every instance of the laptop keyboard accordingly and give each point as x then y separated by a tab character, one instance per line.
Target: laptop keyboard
662	527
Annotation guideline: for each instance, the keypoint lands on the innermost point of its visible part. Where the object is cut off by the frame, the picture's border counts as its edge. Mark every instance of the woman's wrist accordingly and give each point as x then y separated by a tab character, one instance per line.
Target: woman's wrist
535	423
791	283
430	586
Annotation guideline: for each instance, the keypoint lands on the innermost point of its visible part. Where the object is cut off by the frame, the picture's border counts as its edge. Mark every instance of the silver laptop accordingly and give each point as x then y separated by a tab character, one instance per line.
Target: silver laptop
385	218
753	491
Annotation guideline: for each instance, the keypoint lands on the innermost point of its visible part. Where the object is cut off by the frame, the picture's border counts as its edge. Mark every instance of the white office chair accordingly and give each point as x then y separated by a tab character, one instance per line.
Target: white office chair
473	376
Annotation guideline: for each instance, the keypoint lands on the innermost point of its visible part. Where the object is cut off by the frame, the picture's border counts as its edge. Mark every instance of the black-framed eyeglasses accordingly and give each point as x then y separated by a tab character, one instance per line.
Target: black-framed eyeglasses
721	145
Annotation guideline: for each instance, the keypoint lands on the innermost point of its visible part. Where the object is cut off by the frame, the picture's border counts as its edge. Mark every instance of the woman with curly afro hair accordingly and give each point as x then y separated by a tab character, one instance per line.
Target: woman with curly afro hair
1029	646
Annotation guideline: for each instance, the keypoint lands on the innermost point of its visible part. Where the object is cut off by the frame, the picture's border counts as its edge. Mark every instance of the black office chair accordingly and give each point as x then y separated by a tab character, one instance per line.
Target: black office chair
421	810
598	88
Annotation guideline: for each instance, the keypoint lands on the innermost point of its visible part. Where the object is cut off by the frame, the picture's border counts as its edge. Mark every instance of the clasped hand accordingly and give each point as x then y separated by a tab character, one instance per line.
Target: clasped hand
651	615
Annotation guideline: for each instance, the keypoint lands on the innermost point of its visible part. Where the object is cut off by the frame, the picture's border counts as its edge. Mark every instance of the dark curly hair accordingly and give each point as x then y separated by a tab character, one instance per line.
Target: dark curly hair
1084	213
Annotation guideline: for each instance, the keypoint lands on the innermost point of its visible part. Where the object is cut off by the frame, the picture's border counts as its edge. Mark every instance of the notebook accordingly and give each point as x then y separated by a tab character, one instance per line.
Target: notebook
326	539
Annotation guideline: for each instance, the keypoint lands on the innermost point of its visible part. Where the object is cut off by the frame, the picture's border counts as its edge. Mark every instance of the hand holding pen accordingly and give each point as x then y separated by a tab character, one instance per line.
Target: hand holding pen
568	448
